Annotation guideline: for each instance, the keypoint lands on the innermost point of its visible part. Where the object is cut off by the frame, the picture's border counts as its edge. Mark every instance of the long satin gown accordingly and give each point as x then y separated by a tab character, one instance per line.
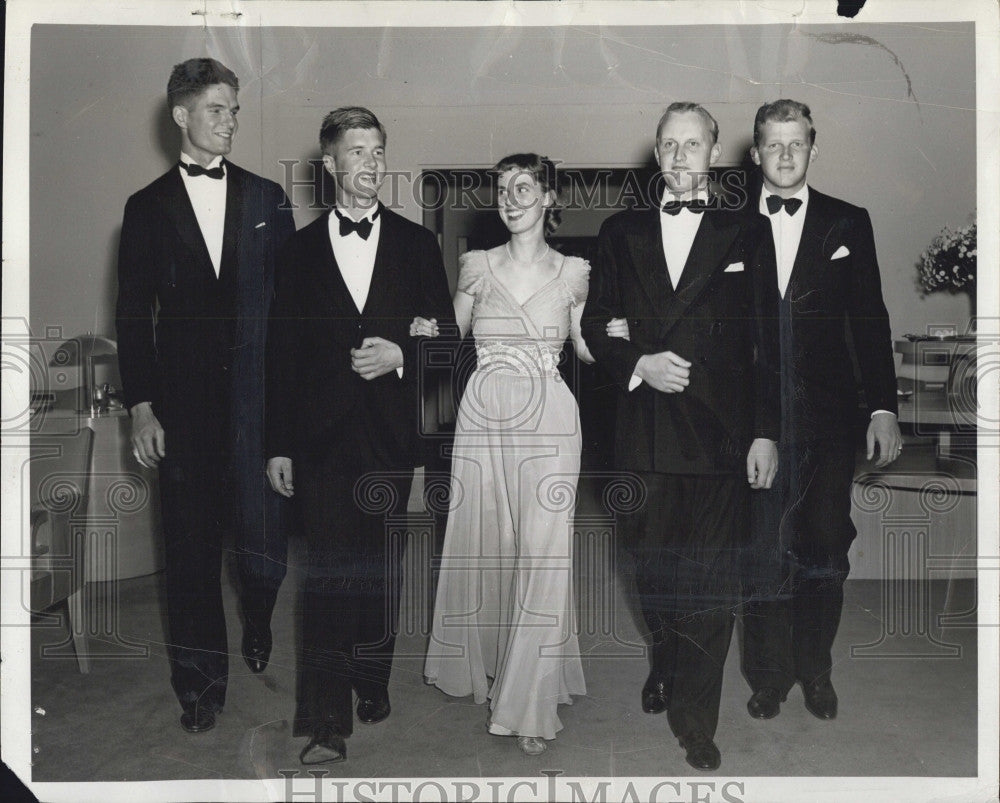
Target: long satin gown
504	610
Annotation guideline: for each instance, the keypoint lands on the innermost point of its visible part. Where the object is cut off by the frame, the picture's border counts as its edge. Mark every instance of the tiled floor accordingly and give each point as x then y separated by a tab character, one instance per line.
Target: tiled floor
899	716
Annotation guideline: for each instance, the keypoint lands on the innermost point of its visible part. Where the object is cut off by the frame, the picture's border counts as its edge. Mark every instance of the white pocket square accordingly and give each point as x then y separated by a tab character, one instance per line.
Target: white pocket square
736	267
841	252
261	225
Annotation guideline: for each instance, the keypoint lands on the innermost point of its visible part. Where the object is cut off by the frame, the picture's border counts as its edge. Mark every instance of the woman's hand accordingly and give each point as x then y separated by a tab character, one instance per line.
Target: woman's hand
618	327
421	327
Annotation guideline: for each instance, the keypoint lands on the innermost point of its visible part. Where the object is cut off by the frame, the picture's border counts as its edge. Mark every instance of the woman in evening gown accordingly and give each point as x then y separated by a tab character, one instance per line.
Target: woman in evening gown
504	623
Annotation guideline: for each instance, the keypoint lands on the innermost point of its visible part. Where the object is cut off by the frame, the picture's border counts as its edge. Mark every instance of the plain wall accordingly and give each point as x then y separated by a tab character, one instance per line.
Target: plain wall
894	106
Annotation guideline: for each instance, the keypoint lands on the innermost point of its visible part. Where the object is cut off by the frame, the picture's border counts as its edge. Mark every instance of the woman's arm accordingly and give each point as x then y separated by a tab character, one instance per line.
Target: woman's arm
463	311
575	314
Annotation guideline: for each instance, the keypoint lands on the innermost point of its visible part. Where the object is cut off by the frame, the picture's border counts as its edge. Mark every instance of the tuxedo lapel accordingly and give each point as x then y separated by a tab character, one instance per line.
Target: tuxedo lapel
234	225
386	266
814	236
323	261
177	207
714	238
645	246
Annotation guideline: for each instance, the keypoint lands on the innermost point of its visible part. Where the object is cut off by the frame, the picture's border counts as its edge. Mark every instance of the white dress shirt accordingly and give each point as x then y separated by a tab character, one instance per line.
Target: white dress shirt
355	257
208	197
677	233
787	233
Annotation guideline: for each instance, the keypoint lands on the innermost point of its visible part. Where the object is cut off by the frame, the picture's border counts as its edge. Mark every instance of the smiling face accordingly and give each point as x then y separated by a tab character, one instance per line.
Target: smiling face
208	123
784	153
685	151
357	162
521	200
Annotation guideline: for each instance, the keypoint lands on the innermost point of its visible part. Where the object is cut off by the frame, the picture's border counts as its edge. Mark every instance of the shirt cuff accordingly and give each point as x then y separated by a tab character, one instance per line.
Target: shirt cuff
634	382
887	412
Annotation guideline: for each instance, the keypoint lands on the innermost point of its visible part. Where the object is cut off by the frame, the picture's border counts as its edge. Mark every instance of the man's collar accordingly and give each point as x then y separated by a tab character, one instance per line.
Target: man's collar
189	161
802	194
370	214
702	194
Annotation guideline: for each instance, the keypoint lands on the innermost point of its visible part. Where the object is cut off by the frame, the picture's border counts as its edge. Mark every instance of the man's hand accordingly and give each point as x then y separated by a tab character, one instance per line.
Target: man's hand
423	327
618	327
664	371
762	463
884	430
377	356
149	443
279	473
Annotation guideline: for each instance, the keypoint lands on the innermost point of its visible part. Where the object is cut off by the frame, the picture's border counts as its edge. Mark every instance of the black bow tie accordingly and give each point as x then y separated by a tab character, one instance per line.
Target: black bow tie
675	207
197	170
775	202
363	227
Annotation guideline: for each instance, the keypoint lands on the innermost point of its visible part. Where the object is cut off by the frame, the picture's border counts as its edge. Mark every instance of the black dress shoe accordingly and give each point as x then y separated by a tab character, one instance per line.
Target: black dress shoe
702	754
198	719
326	746
373	709
821	699
257	648
654	695
765	703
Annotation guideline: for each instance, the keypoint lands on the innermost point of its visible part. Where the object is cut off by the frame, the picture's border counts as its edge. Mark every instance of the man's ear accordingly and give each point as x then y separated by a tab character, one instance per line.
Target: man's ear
180	115
755	156
656	154
330	164
813	153
715	154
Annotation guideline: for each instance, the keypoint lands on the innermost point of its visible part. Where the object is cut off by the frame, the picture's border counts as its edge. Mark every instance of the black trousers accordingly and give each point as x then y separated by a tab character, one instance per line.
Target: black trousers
351	595
686	542
194	494
796	565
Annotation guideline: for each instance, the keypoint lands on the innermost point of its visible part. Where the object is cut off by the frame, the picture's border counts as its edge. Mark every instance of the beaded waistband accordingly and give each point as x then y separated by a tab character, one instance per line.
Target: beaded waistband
524	359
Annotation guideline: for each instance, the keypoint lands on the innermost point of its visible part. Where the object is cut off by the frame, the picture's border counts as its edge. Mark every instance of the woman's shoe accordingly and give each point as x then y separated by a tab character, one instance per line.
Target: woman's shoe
531	745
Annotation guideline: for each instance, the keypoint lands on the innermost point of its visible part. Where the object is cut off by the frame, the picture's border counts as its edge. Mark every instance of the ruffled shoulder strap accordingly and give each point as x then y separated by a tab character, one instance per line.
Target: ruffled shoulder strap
576	275
472	267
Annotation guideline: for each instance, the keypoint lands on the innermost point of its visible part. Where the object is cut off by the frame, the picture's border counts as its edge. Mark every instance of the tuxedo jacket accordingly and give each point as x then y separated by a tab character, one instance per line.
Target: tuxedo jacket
714	319
834	301
316	404
190	342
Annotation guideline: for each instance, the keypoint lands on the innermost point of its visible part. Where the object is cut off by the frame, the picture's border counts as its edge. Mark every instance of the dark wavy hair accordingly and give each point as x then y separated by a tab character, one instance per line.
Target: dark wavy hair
340	121
782	111
543	171
194	76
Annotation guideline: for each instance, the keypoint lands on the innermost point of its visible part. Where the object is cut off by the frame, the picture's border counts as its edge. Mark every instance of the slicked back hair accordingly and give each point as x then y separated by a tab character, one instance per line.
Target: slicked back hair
340	121
782	111
192	77
682	106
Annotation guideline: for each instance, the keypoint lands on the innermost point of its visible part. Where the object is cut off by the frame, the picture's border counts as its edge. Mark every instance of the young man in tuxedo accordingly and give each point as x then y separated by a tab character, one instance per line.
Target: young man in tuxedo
696	420
195	276
343	396
824	276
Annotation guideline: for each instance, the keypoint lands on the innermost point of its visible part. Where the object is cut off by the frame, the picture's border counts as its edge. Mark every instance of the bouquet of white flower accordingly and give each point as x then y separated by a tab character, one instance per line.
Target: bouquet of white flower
949	263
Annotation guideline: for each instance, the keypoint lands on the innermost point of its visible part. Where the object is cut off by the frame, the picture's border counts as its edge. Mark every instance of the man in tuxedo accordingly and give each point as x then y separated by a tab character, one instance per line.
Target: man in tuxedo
696	418
824	277
343	408
195	276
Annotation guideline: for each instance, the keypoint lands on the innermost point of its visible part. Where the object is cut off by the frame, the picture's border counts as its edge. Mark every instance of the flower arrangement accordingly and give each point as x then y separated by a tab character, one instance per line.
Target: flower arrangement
949	262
